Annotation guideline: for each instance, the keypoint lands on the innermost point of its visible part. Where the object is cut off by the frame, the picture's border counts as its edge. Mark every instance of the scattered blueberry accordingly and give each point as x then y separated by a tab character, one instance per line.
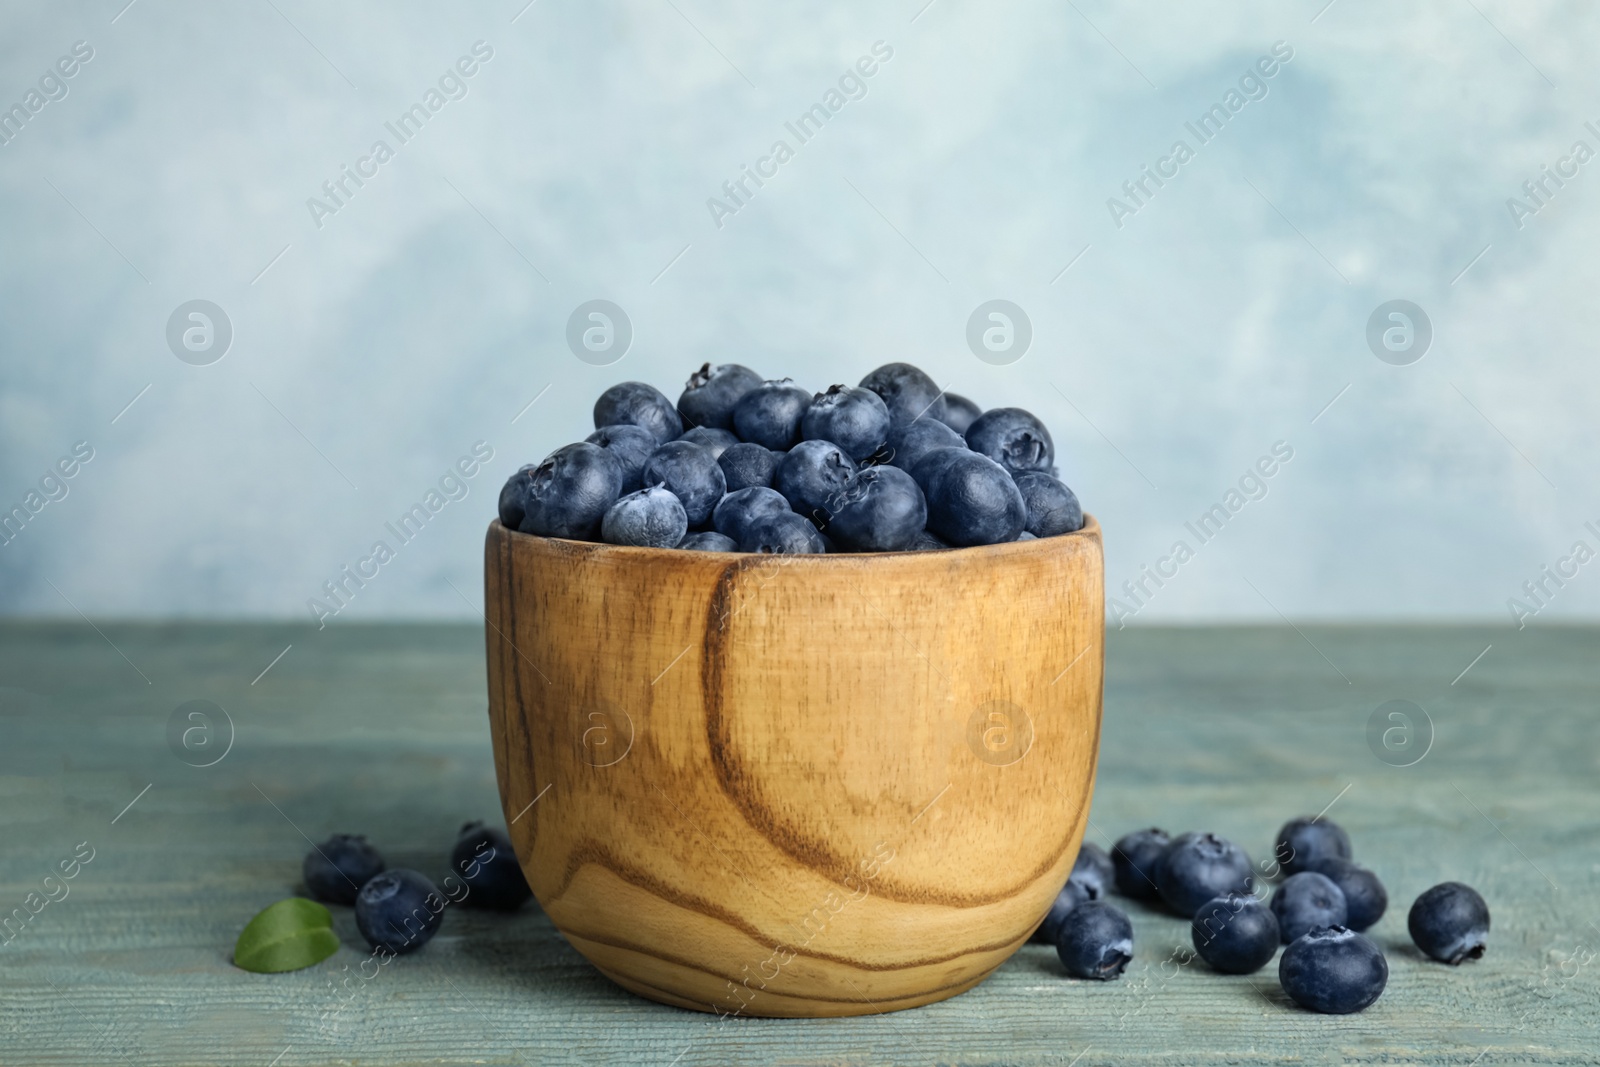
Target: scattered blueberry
1235	933
711	393
399	911
855	419
736	512
1450	922
709	541
568	493
484	858
811	476
1072	894
335	870
906	391
719	441
1333	970
514	496
1136	857
691	473
638	404
1364	896
880	509
770	414
631	446
1013	438
1198	867
748	464
910	441
1094	940
1052	507
971	499
1305	901
782	534
650	518
959	412
1307	841
1094	869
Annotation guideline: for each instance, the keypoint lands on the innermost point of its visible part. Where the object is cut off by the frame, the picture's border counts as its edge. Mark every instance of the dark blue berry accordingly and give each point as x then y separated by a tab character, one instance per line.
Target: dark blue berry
879	510
1095	940
638	404
971	499
691	473
1072	894
770	414
747	464
631	446
399	911
711	393
910	441
650	518
1135	858
514	496
811	476
719	441
1333	970
1197	867
1364	896
1450	922
1094	869
928	541
959	412
1307	841
485	860
1235	933
709	541
906	391
335	870
1013	438
1052	507
569	492
735	512
782	534
1306	901
855	419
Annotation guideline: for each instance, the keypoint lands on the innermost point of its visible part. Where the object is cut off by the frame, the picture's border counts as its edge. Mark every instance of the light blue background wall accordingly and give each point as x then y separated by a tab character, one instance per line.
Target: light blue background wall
430	309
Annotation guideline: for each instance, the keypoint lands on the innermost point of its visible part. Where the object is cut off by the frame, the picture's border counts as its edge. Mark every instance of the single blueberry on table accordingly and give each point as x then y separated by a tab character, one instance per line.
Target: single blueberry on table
784	533
906	391
928	541
747	463
811	476
514	496
709	541
1072	894
568	493
1364	896
631	446
770	414
855	419
399	911
1307	841
485	860
910	441
1235	933
650	518
959	412
1135	857
1094	869
880	509
719	441
638	404
1305	901
691	473
711	393
1333	970
1095	940
1013	438
971	499
1052	508
1450	922
335	870
1197	867
735	512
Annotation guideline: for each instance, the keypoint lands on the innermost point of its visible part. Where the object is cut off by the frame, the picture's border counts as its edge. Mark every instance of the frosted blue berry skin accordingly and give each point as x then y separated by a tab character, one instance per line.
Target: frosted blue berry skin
1305	901
1235	933
569	491
1333	970
719	441
514	496
910	441
1094	868
650	518
853	418
747	464
1053	508
336	870
906	391
1013	438
630	446
881	509
486	862
971	499
1072	894
735	512
1095	940
1304	842
711	394
1450	922
1197	867
708	541
1135	858
638	404
811	477
1364	895
783	534
770	414
928	541
691	473
959	412
399	911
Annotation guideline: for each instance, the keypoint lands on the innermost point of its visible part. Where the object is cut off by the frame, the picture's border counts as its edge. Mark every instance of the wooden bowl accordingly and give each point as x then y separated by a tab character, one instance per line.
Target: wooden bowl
795	785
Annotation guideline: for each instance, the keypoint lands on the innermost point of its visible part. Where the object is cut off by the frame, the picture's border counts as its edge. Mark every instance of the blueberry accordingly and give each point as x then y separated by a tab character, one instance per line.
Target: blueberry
1333	970
1094	869
910	441
691	473
1013	438
1052	507
399	911
650	518
709	541
811	476
855	419
514	496
1235	933
569	492
1307	841
1095	940
735	512
1135	858
631	446
959	412
906	391
784	533
1027	535
1450	922
971	498
1306	901
879	510
336	870
1072	894
719	441
1198	867
1364	896
484	858
928	541
746	464
711	393
770	414
638	404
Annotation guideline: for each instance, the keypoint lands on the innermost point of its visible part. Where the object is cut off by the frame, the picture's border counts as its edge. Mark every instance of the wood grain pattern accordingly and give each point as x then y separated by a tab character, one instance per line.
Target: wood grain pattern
795	786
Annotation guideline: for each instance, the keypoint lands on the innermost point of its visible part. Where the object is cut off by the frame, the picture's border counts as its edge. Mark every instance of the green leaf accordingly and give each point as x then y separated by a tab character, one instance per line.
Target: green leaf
286	936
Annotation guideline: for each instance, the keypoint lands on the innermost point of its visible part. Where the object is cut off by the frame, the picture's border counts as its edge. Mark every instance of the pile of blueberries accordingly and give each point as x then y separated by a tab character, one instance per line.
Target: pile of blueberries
745	465
399	911
1319	909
